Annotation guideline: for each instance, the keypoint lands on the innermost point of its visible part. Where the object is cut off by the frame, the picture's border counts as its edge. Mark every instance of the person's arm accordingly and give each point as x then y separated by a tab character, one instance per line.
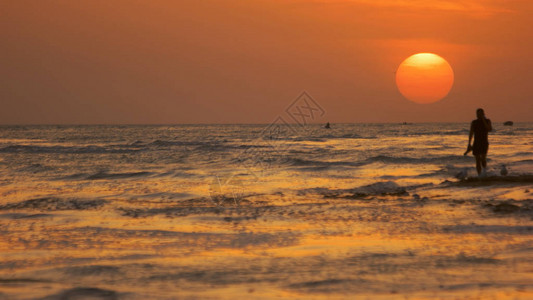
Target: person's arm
471	134
487	124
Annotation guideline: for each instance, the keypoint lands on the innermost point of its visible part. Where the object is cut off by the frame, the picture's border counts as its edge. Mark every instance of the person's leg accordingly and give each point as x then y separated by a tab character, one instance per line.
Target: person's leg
478	164
484	161
484	157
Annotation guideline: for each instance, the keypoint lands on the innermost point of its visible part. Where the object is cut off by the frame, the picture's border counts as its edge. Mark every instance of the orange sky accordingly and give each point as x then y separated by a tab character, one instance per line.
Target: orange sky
244	61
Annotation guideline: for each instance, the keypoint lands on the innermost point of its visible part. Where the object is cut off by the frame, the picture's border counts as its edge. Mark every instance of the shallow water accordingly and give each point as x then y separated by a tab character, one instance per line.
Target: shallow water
249	211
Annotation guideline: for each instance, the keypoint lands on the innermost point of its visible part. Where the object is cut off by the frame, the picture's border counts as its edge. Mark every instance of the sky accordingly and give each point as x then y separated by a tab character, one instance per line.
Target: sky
246	61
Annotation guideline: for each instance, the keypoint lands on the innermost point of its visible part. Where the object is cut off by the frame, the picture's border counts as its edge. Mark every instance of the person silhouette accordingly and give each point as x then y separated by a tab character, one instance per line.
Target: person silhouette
479	129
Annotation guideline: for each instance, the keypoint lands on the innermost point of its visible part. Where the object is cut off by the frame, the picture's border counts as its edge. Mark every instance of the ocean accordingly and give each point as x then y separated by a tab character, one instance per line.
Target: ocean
364	211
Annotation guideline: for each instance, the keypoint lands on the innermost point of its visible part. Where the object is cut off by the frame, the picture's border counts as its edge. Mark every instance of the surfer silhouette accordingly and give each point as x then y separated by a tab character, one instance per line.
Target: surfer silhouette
479	129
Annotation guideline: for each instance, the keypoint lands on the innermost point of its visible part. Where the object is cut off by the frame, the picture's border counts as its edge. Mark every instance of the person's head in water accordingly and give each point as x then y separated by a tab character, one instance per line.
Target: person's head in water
480	113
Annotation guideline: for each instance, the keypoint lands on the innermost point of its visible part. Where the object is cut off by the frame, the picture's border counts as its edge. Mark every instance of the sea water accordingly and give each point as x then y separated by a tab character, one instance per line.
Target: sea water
364	211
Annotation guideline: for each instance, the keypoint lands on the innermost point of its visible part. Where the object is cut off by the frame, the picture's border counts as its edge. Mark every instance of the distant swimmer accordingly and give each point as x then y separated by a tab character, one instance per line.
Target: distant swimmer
479	129
327	126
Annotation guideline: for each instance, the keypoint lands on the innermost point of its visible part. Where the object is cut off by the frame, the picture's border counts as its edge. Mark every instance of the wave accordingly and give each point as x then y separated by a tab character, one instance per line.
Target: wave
85	293
507	207
321	138
113	148
493	180
383	188
35	168
298	162
379	188
521	162
17	216
203	146
64	149
453	132
523	153
91	270
75	176
513	128
102	175
484	229
309	139
53	203
105	175
136	143
331	137
366	135
418	160
354	136
163	143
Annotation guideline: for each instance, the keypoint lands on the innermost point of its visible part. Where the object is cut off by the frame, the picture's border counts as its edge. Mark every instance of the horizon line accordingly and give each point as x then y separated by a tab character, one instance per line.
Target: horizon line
176	124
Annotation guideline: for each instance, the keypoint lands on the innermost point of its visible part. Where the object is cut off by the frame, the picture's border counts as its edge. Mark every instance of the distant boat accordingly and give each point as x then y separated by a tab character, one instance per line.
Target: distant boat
508	123
405	123
327	126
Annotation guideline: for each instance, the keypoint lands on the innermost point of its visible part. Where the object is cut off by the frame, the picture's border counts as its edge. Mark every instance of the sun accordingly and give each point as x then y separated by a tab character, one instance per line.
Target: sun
424	78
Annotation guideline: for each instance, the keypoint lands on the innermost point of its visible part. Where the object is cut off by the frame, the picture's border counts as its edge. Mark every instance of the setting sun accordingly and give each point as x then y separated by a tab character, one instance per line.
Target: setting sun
424	78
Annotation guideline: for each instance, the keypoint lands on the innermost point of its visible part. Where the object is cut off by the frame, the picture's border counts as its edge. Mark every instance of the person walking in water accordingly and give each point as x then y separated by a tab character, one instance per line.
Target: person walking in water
479	129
